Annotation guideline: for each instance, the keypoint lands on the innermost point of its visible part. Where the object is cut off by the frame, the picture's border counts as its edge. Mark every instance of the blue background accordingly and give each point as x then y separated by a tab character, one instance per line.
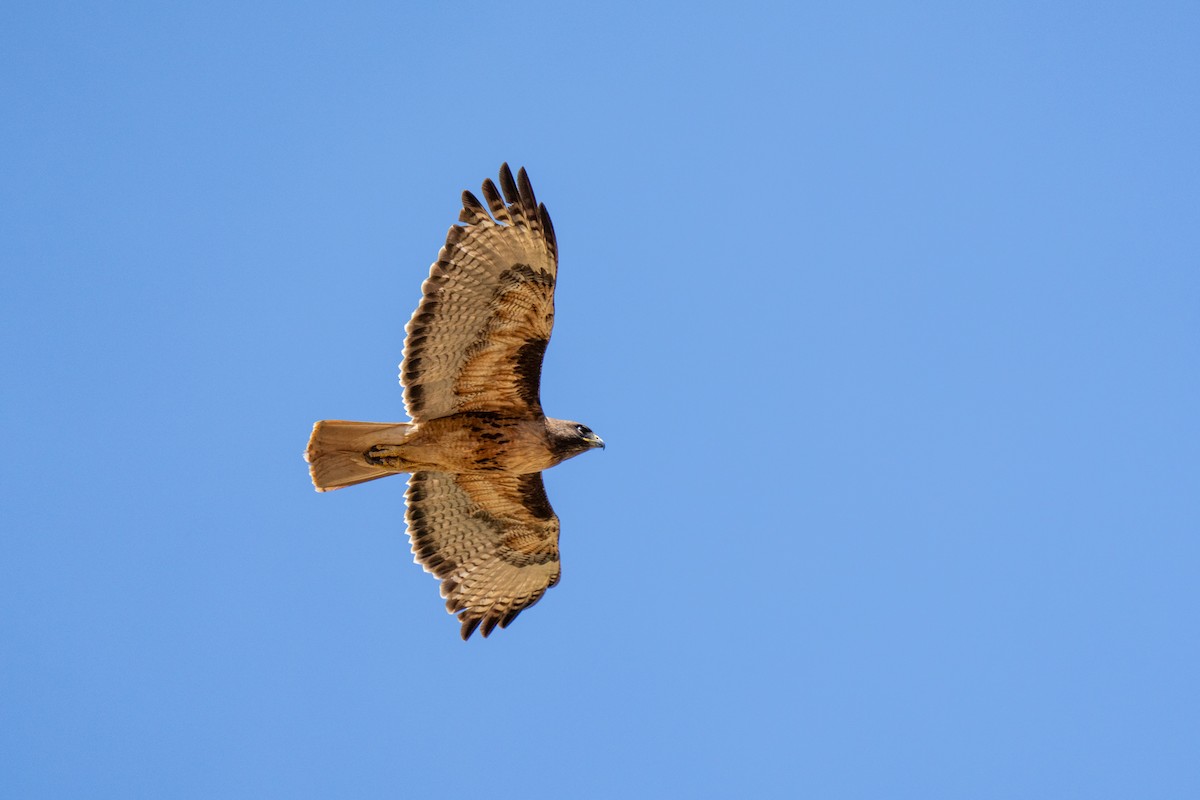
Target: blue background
889	315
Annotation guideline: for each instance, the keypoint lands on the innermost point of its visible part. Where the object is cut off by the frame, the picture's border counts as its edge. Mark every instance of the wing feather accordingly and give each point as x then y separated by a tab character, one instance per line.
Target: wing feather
492	539
476	340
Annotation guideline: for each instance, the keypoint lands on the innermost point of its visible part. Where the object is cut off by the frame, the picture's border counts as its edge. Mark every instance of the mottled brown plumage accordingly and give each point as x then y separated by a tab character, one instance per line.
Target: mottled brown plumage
478	515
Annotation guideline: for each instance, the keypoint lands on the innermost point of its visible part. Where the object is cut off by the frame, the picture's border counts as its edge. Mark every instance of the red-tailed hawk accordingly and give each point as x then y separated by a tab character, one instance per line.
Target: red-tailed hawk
478	516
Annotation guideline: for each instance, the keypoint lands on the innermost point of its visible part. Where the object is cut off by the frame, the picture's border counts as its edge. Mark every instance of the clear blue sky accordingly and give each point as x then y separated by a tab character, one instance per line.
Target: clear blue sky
890	316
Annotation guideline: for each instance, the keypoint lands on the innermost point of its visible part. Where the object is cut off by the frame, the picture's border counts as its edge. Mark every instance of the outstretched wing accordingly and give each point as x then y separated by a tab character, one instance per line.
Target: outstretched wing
475	342
491	538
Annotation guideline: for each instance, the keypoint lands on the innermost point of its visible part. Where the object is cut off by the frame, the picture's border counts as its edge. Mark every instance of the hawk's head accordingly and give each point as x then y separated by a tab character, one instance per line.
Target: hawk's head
569	438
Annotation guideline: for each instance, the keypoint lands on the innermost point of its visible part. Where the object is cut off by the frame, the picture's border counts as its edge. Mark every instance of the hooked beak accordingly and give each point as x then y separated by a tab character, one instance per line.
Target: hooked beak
594	441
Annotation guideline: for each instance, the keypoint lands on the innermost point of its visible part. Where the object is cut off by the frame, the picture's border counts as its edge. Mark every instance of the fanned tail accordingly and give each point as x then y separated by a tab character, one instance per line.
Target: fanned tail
336	453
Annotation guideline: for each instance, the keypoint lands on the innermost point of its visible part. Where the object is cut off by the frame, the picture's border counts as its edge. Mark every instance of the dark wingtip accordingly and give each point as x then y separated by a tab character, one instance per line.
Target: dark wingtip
528	199
493	197
468	627
472	209
508	185
547	227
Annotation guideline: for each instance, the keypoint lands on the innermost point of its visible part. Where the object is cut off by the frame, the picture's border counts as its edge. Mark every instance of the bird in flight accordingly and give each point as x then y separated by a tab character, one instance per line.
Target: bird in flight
478	517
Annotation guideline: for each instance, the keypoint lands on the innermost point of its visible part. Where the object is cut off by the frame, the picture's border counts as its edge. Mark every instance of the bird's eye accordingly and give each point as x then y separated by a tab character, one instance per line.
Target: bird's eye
582	430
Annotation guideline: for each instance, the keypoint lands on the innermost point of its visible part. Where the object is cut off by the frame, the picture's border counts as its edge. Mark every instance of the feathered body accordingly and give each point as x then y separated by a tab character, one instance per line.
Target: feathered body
342	453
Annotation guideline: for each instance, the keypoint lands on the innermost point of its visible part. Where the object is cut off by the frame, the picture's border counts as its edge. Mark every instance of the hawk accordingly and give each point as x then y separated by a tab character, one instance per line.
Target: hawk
478	517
